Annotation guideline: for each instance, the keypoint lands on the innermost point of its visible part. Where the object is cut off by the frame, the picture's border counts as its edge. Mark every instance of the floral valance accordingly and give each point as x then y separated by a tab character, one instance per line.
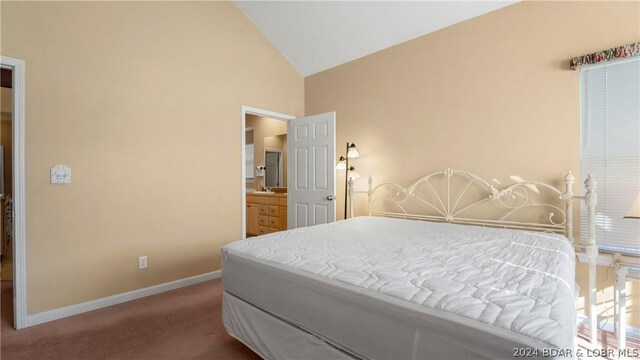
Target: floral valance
606	55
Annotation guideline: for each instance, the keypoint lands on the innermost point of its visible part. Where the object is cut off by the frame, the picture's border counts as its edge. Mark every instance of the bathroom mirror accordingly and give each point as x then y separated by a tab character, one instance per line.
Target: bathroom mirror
275	161
273	172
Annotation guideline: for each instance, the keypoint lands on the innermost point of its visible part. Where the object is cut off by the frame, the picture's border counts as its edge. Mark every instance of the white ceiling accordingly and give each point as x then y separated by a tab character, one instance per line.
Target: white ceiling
318	35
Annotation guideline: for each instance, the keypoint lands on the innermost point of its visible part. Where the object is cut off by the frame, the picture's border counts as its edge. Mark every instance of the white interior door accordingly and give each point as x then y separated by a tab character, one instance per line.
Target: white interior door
312	177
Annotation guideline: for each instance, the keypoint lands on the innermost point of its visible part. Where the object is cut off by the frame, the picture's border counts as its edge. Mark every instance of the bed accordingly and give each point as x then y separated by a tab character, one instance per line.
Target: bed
386	286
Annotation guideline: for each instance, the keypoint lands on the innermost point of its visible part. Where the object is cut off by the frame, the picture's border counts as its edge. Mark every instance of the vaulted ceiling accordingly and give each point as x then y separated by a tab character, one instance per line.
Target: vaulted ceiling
318	35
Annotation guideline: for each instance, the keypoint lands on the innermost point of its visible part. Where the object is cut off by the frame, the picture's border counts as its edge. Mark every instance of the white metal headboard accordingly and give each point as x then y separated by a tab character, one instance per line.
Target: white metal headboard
449	208
449	205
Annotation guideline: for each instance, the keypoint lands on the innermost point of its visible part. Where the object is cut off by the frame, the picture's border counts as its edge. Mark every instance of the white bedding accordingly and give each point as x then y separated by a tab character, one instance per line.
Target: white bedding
509	284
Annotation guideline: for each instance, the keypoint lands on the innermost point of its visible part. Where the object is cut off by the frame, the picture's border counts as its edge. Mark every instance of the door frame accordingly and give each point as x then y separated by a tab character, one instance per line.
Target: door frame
18	163
248	110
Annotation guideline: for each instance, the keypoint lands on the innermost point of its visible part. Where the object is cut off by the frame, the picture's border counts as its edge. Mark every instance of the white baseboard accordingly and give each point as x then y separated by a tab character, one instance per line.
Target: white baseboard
632	331
55	314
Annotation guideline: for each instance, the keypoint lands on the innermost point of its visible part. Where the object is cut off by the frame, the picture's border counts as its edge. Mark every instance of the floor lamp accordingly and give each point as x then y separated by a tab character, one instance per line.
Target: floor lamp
343	164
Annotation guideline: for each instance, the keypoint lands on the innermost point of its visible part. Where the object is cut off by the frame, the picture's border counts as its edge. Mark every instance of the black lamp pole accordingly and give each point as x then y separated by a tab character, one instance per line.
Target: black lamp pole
350	146
346	180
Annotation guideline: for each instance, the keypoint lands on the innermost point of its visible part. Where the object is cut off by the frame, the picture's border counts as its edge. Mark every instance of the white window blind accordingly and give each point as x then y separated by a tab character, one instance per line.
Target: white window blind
249	161
610	149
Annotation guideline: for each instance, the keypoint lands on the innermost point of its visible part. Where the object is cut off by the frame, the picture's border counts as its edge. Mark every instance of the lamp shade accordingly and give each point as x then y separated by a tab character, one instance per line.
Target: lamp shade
342	164
353	174
634	210
352	152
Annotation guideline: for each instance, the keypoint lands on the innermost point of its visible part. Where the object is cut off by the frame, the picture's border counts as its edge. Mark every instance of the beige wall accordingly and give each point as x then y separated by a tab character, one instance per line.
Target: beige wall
142	100
248	137
6	102
492	95
262	127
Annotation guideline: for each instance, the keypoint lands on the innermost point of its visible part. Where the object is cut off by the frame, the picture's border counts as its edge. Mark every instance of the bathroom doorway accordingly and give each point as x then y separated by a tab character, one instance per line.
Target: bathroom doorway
12	232
264	171
6	200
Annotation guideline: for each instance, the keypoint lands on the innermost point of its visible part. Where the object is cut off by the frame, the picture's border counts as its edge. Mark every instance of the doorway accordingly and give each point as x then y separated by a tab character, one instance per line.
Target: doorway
12	207
309	194
6	201
264	175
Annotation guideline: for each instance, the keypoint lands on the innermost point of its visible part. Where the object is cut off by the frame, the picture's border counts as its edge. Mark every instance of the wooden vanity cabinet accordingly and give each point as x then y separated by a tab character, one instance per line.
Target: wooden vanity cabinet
253	216
266	213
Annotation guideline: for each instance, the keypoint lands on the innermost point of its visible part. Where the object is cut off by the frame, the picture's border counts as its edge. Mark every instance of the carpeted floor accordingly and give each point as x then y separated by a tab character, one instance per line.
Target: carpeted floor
179	324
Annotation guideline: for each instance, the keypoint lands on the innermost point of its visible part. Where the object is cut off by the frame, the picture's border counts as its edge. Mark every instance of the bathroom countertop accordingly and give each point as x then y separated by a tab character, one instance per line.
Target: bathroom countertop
264	193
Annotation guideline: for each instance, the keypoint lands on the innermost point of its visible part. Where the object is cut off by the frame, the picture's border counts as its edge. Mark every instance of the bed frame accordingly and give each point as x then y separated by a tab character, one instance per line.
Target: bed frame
448	205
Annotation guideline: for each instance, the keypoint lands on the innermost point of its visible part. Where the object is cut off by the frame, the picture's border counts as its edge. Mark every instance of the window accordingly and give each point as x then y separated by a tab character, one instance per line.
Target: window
610	149
249	162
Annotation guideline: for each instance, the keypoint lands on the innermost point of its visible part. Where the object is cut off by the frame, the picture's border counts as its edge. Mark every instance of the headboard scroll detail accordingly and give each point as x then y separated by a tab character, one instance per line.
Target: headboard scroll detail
446	203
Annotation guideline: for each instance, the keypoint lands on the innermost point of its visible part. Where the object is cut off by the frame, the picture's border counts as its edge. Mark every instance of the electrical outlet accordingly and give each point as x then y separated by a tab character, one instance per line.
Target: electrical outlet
142	262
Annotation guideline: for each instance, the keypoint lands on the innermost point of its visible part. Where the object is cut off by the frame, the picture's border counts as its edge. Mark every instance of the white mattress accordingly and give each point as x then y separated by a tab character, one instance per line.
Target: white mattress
390	288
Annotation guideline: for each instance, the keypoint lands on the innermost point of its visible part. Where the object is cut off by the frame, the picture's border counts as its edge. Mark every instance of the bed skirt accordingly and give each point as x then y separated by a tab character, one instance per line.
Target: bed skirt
271	337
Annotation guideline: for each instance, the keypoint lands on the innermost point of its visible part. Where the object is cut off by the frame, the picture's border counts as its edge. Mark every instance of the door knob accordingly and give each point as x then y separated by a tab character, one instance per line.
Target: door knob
330	198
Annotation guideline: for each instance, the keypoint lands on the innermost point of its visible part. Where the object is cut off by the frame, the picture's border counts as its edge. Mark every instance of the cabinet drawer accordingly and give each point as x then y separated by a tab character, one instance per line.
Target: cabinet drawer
264	220
271	229
252	199
273	210
264	200
282	201
273	222
273	201
264	209
263	230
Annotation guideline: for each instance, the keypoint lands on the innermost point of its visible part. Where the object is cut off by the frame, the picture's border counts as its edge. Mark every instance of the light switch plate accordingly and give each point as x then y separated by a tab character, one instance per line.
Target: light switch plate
61	174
